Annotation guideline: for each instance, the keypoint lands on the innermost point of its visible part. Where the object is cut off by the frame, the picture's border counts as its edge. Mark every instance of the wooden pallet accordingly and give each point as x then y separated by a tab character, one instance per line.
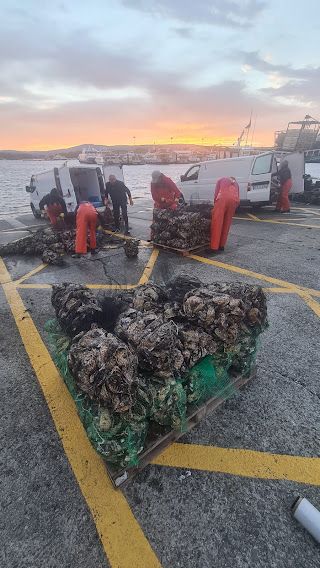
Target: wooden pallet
156	444
183	252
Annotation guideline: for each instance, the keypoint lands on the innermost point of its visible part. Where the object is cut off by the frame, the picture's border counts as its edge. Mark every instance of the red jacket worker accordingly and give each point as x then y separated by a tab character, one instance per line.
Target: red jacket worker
226	201
164	191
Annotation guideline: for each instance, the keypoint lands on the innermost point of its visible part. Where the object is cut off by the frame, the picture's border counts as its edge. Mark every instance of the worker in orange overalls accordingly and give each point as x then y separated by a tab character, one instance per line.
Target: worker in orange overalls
283	203
86	219
226	201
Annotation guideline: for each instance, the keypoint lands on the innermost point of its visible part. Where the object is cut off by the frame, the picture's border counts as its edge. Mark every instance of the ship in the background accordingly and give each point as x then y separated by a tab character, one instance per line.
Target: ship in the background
90	155
302	136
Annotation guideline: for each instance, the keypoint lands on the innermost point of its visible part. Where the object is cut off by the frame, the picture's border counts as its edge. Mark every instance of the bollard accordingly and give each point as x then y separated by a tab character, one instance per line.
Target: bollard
308	516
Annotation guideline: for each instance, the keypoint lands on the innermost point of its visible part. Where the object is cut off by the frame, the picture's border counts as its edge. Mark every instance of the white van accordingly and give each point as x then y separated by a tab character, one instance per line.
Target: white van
75	184
256	176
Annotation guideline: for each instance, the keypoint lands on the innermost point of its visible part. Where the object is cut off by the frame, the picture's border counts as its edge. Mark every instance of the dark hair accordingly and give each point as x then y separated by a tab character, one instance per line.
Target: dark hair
54	192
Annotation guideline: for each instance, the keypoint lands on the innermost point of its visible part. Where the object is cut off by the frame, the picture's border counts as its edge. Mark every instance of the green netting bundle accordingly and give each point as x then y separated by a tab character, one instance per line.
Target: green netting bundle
208	378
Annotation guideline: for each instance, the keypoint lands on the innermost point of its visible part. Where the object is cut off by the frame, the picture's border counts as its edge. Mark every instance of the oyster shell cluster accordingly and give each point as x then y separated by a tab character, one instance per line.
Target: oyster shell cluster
51	245
76	307
182	228
104	368
155	336
131	248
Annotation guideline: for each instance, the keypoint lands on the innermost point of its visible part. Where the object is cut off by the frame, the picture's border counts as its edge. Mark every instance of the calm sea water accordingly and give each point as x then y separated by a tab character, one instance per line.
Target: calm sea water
16	174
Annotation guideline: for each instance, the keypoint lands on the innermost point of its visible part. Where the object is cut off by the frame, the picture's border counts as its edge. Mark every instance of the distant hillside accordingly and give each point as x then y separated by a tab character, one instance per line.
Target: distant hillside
74	151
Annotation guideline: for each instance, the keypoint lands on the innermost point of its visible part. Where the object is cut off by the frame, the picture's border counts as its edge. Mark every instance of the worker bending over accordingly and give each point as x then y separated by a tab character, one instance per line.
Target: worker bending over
283	203
164	191
226	201
118	192
55	206
86	219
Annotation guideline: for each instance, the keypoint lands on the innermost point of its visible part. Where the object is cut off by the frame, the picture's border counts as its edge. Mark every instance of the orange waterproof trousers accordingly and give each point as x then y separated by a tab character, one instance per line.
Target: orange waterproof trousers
87	217
221	220
283	203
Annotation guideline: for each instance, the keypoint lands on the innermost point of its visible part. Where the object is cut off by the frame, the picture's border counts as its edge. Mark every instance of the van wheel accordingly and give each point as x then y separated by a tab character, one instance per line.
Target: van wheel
36	213
256	207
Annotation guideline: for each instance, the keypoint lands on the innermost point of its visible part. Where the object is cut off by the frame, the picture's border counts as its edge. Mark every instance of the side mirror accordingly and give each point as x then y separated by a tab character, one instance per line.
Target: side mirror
29	189
183	178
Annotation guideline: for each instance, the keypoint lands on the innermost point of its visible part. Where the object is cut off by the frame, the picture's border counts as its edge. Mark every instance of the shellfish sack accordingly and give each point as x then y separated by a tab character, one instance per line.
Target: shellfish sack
118	440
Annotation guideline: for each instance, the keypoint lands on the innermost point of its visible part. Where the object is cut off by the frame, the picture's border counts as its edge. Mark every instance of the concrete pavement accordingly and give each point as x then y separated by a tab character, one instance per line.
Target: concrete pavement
208	517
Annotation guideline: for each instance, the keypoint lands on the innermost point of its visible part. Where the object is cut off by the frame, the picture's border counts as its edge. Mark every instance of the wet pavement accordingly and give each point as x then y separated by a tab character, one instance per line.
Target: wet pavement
200	518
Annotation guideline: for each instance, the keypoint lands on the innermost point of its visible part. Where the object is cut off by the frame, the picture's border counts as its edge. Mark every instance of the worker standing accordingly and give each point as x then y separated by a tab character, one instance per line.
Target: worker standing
119	193
226	201
55	206
164	191
283	203
86	219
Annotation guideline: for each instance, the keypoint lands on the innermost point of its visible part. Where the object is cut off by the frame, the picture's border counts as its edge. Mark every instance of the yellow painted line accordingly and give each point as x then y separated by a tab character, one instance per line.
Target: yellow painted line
313	211
126	238
278	290
254	217
121	536
245	271
143	280
34	286
277	281
313	304
279	222
31	273
245	463
149	268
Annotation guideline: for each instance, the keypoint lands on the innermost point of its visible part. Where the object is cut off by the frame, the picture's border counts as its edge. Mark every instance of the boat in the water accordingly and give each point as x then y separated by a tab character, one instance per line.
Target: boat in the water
90	155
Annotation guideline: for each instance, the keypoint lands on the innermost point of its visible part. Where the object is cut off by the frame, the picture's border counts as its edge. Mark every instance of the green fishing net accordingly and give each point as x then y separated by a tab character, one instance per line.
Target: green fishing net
208	378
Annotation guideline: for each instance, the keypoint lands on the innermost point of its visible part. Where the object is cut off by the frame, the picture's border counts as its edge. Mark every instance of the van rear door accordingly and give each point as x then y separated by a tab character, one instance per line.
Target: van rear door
296	163
113	170
260	178
66	186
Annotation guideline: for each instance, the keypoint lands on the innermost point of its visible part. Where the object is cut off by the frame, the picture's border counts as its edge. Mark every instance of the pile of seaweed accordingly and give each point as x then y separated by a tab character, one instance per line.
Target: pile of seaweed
182	228
140	359
50	244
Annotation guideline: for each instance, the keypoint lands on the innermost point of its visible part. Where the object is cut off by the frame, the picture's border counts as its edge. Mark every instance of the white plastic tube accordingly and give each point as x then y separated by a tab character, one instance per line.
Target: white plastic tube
308	516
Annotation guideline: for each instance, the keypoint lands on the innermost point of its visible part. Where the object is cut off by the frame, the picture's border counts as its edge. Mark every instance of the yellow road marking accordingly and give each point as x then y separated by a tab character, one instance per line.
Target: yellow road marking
31	273
121	536
33	286
304	293
254	217
149	268
143	279
279	222
278	290
313	304
245	463
245	271
126	238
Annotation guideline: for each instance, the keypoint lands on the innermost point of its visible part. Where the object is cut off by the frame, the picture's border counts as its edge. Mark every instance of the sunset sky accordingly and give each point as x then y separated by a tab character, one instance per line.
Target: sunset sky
104	71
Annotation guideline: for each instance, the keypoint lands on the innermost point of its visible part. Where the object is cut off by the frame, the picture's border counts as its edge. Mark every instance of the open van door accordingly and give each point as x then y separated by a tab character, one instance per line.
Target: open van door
263	167
296	163
64	183
113	170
